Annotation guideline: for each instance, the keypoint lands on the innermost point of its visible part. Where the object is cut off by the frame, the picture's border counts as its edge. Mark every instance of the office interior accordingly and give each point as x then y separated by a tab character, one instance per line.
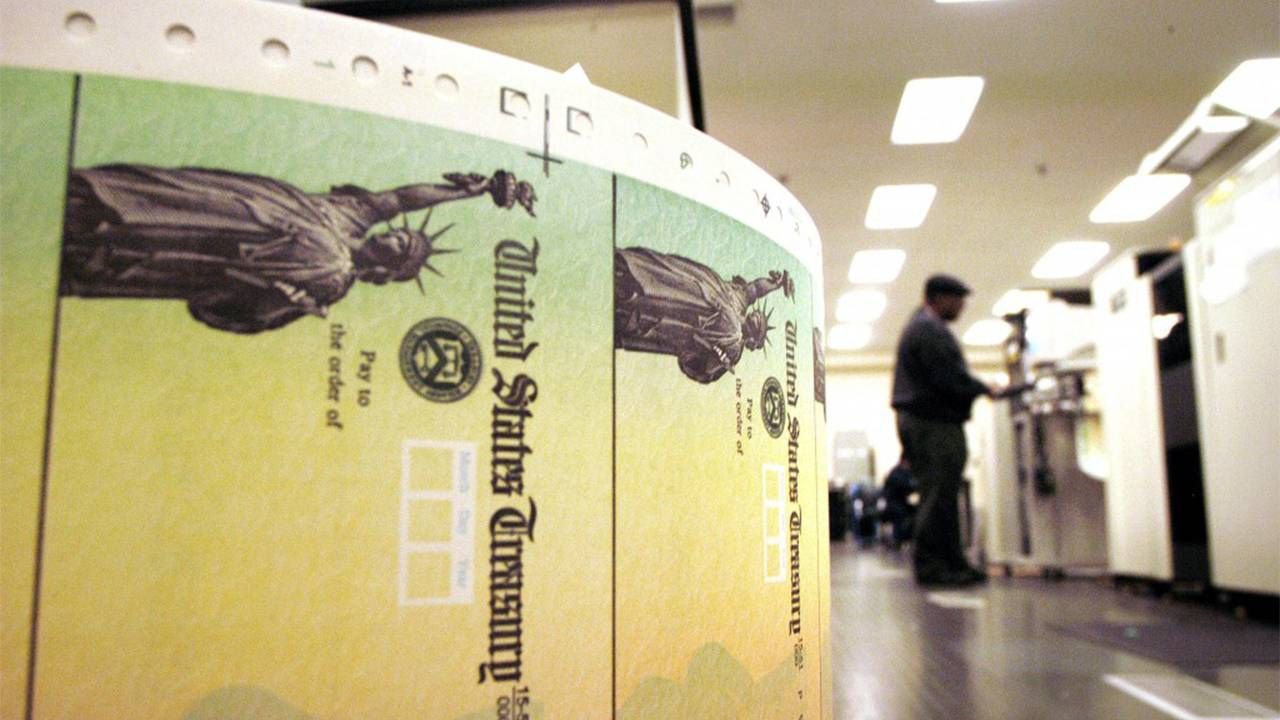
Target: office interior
1114	208
1106	178
1126	505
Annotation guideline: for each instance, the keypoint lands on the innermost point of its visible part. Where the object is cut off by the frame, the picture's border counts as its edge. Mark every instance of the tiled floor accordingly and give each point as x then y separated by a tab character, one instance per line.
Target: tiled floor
990	653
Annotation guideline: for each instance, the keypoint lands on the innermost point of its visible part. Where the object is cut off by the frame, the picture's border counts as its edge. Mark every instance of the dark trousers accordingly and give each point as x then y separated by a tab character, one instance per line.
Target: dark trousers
937	452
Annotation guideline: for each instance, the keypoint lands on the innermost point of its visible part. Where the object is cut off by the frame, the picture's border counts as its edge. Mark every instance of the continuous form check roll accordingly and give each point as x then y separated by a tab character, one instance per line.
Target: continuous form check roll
351	373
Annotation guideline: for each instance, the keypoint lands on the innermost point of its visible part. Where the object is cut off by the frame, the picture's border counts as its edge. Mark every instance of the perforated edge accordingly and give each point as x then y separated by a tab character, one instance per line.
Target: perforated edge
291	52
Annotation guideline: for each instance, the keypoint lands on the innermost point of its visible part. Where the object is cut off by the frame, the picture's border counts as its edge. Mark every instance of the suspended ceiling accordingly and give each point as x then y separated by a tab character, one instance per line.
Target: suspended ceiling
1077	91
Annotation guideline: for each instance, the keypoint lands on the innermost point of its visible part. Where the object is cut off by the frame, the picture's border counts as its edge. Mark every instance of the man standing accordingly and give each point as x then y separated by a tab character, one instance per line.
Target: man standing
933	393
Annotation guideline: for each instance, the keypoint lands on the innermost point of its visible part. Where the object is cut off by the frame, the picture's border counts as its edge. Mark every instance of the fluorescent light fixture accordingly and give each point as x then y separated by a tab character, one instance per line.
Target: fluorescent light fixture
849	336
1070	258
1223	124
1016	300
1152	161
861	306
1138	197
896	207
935	110
1253	88
874	267
987	332
953	2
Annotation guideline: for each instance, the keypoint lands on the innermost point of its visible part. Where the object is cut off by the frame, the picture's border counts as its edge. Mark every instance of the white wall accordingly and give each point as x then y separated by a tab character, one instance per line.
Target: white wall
859	400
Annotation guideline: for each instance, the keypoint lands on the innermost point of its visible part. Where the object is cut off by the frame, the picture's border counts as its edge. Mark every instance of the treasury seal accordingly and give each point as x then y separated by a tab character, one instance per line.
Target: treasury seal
440	360
773	408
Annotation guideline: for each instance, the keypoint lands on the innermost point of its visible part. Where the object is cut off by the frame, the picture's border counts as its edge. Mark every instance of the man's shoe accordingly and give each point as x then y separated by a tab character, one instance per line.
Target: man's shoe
946	578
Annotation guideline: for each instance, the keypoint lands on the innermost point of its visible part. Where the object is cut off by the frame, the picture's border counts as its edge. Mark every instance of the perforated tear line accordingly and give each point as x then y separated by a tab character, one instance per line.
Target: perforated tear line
365	70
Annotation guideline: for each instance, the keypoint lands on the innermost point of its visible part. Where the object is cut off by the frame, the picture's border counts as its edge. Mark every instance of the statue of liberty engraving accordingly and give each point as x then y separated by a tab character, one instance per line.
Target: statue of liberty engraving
669	304
249	253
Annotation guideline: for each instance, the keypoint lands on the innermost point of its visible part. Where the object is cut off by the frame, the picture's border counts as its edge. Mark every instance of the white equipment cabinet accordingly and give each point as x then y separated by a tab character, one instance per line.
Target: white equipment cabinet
1062	508
1139	540
1002	542
1234	278
1047	510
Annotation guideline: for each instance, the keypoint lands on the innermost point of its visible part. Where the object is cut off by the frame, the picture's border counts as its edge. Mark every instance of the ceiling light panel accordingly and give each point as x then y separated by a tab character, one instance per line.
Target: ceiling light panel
898	207
861	306
935	110
1214	134
987	332
849	336
1223	124
1016	300
1069	259
1253	88
875	267
1138	197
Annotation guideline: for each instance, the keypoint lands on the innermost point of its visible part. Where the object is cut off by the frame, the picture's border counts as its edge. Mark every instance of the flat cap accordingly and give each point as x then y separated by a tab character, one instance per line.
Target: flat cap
945	285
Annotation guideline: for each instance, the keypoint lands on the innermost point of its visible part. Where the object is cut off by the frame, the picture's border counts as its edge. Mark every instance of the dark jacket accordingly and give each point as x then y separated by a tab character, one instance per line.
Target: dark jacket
931	379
